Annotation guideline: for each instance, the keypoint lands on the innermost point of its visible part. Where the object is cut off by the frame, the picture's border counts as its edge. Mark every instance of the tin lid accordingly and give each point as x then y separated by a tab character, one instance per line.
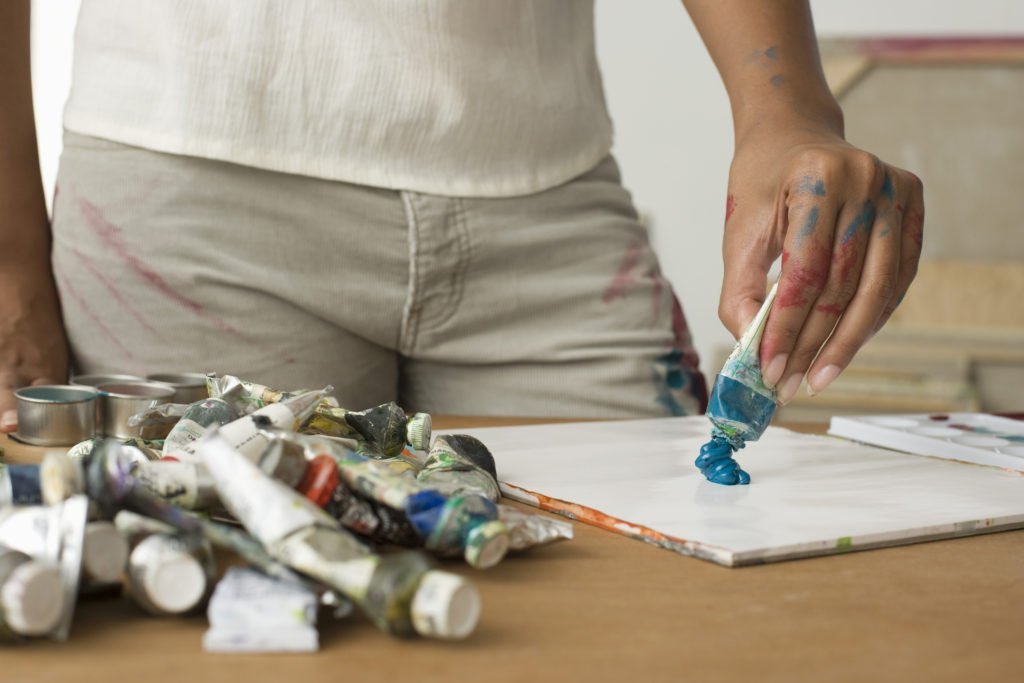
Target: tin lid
445	606
418	431
33	599
105	552
486	544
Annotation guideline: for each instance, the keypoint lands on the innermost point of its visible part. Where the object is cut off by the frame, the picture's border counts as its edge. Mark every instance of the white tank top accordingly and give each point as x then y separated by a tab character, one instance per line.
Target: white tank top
471	98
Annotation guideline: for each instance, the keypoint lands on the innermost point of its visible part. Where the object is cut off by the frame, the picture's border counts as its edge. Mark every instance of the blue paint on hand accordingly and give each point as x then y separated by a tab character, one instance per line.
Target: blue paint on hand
864	219
888	191
809	225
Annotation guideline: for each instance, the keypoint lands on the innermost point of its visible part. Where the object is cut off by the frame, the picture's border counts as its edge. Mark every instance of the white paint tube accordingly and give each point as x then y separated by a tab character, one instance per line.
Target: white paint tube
246	434
185	484
31	598
169	575
104	553
252	612
401	593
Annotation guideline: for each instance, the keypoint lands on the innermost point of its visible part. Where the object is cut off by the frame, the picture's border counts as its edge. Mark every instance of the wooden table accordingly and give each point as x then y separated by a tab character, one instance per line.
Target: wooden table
606	608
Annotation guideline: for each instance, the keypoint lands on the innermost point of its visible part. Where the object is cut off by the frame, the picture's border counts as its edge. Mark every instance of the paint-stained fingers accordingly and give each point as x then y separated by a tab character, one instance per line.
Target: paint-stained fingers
805	272
846	254
746	265
8	415
875	291
910	212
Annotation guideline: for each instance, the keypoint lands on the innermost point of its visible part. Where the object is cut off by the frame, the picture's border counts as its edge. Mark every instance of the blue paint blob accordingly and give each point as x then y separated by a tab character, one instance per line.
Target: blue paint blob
739	414
772	52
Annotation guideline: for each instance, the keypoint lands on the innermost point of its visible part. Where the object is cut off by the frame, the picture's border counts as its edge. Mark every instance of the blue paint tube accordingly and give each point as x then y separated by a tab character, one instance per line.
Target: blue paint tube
19	485
740	407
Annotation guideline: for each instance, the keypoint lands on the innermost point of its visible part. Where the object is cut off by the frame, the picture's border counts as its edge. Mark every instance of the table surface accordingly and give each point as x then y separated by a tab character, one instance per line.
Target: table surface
604	608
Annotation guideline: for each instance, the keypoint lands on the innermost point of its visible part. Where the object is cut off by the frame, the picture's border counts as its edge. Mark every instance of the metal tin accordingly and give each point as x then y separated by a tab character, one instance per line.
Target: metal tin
56	415
119	401
96	380
189	387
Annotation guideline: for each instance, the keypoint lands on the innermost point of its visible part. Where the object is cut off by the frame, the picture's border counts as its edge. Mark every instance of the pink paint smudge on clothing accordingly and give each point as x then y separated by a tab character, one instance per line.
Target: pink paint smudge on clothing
624	278
114	292
111	236
80	300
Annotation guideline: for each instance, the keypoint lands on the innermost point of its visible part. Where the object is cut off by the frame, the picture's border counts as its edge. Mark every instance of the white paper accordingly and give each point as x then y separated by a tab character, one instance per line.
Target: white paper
810	495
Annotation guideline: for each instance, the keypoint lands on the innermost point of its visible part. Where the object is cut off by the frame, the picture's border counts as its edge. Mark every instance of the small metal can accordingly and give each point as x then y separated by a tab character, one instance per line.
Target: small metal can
96	380
56	415
189	387
119	401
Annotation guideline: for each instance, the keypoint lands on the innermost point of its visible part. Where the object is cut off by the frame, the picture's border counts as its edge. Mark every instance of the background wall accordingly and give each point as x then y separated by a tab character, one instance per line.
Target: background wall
674	135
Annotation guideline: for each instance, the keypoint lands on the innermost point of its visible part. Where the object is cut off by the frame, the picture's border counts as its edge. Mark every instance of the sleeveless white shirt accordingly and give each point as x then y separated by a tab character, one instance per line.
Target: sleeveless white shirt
475	98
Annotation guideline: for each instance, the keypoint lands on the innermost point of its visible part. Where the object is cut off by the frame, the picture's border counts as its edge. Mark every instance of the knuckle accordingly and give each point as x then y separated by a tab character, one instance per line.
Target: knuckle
881	287
865	165
841	291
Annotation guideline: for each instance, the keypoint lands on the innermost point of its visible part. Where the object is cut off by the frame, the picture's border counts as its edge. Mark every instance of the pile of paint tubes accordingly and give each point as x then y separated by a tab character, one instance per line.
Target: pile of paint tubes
308	505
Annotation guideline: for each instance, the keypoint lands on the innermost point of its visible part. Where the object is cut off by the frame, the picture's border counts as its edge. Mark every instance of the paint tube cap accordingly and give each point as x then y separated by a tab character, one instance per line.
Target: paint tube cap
320	480
60	477
418	431
167	578
104	553
445	606
486	544
33	599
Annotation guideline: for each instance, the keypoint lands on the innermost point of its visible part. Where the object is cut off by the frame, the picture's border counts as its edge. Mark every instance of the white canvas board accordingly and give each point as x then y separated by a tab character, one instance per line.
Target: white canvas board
810	495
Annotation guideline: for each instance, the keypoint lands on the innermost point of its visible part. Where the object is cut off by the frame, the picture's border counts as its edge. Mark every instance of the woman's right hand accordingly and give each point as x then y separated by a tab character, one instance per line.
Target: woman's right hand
33	348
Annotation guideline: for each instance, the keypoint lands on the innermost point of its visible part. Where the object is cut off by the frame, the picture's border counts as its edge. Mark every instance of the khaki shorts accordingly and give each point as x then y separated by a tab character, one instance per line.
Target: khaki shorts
550	304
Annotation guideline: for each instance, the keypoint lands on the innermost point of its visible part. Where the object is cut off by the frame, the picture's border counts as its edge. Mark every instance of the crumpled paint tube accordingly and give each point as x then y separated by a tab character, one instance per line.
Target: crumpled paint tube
460	464
31	596
400	593
740	407
248	434
450	526
157	415
195	420
384	430
527	530
252	612
53	535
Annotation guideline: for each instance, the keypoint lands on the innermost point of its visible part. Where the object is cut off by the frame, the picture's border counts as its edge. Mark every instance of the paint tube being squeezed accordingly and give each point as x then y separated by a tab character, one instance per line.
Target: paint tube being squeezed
740	407
400	593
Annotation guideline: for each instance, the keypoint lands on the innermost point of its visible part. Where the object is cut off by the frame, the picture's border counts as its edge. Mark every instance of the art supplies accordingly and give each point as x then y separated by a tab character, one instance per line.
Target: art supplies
740	406
109	510
970	437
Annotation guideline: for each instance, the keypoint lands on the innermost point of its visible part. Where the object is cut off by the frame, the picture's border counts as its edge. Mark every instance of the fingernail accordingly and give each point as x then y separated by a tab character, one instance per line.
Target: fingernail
773	373
788	388
9	420
822	378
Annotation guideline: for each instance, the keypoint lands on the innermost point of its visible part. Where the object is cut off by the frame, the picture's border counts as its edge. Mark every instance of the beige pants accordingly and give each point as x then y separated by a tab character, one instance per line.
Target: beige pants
545	305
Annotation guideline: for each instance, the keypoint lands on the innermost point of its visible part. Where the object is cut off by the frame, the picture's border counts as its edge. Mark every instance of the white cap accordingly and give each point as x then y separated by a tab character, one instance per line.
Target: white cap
486	544
418	430
445	606
169	578
60	477
33	599
105	552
